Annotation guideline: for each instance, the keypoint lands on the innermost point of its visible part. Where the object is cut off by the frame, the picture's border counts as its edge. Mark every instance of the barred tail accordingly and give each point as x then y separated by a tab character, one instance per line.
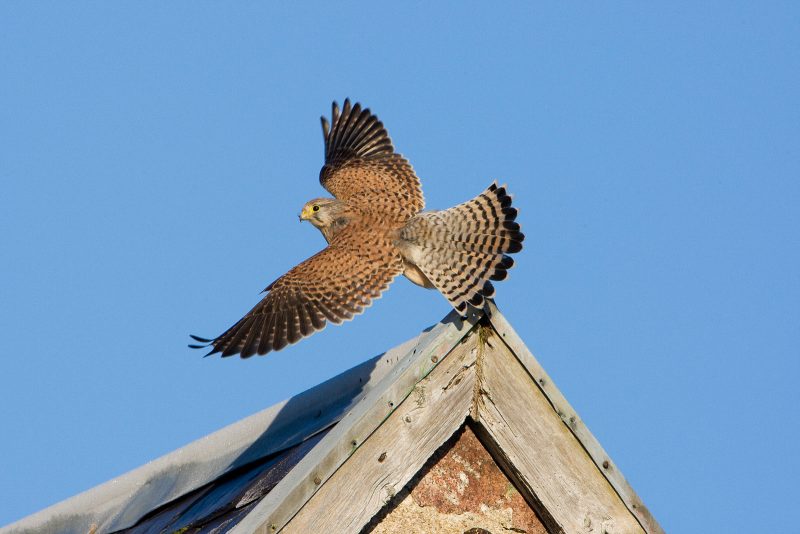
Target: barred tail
461	249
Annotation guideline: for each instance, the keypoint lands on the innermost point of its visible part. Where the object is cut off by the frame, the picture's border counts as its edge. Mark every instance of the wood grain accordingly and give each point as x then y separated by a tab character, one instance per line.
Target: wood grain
291	493
545	457
396	451
571	419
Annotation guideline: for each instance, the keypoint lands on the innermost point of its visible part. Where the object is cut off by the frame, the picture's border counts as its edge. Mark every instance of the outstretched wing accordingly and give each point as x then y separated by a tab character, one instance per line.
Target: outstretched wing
333	285
362	167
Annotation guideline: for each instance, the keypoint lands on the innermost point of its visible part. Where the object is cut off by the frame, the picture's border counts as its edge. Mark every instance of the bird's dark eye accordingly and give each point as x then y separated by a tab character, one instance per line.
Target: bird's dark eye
315	208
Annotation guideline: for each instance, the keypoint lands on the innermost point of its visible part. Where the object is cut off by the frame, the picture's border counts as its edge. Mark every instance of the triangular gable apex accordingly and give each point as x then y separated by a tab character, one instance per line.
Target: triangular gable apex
394	412
520	415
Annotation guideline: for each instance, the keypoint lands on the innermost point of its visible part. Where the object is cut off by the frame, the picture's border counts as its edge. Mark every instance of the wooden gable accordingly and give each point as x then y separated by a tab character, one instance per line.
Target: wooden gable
458	427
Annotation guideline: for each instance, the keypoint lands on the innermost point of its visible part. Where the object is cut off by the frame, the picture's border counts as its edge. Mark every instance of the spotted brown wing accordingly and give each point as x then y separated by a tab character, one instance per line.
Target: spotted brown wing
333	285
362	167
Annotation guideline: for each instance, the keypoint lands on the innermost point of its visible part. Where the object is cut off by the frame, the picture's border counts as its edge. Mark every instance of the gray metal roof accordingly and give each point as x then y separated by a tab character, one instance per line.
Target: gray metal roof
230	460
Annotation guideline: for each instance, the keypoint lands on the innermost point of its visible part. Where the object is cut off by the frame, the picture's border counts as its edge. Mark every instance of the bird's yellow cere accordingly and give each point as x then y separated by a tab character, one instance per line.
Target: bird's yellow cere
308	210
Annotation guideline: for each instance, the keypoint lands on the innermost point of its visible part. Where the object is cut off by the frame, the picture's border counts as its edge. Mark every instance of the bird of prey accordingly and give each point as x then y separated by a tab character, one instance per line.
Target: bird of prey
376	230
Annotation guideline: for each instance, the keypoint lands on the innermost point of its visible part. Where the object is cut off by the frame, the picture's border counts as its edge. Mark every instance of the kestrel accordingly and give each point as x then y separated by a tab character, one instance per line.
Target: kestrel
376	230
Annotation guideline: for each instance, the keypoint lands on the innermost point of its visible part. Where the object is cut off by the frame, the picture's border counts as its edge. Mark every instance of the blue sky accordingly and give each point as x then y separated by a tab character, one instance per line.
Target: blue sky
155	156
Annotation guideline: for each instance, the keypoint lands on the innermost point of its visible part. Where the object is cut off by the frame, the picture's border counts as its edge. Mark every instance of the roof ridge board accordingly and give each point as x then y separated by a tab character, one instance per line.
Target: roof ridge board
300	484
572	420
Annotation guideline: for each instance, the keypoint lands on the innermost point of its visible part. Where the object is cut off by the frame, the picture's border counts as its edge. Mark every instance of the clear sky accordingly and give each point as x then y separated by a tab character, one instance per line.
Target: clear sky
154	157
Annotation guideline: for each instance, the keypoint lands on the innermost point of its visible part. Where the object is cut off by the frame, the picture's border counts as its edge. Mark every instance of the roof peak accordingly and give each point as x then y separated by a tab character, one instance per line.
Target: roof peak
382	418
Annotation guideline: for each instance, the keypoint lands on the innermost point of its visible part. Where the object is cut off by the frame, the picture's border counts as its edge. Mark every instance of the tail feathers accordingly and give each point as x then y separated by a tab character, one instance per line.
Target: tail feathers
462	249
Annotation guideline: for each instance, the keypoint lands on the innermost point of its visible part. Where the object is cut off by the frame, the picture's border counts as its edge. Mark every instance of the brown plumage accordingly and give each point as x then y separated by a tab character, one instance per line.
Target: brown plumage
375	230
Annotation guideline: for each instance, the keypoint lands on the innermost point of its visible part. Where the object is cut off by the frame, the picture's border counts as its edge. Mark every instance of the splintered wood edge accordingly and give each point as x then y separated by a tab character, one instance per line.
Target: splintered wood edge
571	419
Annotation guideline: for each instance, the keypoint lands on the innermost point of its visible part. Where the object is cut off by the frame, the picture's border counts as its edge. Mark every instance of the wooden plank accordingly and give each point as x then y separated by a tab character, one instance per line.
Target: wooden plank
291	493
395	452
571	419
545	457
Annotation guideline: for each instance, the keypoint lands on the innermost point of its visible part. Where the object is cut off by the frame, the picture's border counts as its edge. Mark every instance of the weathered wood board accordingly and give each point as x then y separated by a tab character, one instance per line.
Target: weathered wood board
291	493
571	419
546	458
395	452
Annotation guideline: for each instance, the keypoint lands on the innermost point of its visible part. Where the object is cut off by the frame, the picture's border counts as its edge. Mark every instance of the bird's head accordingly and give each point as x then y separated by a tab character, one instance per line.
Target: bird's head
327	214
320	212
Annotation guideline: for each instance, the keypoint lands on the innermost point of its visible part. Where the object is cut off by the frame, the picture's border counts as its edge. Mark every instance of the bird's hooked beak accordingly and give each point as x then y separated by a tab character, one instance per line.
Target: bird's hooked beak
305	214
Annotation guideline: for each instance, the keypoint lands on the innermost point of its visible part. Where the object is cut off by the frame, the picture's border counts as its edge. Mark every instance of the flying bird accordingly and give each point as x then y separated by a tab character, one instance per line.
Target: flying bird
376	230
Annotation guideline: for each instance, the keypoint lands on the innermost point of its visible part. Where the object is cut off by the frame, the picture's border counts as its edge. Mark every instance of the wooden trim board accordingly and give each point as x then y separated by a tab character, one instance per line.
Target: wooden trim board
545	458
388	460
571	419
299	485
